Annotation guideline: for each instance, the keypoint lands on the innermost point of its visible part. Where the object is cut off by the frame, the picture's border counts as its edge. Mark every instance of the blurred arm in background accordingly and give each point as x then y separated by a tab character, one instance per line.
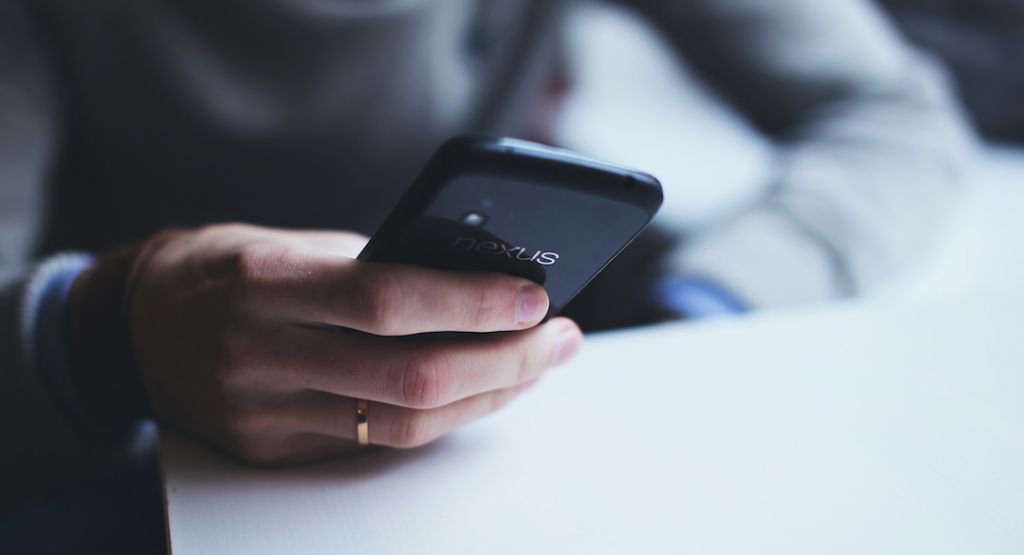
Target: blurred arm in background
872	144
871	147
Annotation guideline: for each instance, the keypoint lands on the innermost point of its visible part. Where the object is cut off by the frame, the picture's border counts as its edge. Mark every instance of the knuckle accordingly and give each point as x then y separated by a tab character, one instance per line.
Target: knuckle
245	261
426	382
208	231
380	299
242	269
410	431
253	262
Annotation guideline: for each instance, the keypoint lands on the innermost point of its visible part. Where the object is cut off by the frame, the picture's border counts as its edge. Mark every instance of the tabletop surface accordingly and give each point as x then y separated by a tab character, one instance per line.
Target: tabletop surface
832	430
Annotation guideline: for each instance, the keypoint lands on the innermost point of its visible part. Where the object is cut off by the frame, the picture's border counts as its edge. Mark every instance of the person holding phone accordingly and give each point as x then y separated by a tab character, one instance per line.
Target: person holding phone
137	131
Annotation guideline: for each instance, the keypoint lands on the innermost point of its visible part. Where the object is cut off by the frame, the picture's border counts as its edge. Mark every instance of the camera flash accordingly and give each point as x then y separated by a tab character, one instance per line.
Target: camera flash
474	219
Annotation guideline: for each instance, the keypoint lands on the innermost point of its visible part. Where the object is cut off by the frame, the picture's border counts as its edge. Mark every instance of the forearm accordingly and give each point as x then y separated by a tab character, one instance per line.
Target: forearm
860	191
872	146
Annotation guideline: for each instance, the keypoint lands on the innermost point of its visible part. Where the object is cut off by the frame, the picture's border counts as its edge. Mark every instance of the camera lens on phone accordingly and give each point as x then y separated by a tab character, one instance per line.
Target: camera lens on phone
474	219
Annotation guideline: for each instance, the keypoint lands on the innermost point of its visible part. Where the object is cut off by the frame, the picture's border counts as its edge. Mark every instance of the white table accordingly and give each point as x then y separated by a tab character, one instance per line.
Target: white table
833	430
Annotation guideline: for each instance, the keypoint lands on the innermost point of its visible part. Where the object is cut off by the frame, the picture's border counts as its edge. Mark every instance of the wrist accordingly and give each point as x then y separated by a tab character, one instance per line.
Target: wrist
696	298
99	340
103	363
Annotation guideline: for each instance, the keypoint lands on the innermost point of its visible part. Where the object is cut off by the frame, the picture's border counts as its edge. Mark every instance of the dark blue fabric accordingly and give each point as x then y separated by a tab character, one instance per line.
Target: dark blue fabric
119	512
695	298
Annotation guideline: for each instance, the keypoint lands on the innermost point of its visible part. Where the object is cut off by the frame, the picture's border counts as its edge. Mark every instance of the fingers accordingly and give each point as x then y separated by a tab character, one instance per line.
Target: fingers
421	374
396	299
319	426
392	426
304	282
312	277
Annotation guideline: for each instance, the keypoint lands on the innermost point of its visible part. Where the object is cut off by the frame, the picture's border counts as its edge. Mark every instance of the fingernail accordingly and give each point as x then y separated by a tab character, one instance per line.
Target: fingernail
569	342
532	305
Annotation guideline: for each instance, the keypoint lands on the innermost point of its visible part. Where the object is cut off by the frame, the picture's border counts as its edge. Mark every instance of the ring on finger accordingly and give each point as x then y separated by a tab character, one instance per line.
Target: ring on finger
362	423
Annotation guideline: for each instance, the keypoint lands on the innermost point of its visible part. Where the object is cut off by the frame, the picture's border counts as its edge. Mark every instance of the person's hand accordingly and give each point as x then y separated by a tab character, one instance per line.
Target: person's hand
259	342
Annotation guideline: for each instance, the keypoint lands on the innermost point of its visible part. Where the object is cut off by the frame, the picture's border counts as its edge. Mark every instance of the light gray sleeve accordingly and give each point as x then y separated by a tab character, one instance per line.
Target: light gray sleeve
872	146
42	452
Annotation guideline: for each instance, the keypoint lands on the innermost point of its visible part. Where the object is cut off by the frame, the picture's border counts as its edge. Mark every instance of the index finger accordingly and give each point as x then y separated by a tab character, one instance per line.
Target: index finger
314	286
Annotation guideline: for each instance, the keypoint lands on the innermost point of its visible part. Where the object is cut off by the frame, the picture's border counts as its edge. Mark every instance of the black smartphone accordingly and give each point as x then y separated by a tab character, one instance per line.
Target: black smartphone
511	206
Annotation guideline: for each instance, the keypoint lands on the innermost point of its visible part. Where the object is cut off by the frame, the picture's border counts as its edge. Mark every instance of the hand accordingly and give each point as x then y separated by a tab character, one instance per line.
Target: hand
258	341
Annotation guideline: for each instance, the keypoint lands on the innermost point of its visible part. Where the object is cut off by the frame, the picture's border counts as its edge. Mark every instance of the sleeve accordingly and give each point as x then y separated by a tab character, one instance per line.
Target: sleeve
44	447
43	452
872	146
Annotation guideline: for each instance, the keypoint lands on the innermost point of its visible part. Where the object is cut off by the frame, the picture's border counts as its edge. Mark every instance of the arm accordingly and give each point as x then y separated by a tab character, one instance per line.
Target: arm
872	146
260	342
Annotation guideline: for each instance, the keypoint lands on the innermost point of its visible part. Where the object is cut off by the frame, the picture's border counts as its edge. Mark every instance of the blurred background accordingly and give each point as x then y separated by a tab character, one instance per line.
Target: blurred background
981	42
619	61
624	73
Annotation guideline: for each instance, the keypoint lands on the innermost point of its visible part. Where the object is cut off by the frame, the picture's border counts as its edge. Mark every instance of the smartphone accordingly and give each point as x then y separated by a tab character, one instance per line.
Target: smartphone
520	208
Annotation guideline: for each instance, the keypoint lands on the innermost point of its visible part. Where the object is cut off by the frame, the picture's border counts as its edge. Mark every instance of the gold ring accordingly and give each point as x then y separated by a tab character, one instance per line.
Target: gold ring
362	426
